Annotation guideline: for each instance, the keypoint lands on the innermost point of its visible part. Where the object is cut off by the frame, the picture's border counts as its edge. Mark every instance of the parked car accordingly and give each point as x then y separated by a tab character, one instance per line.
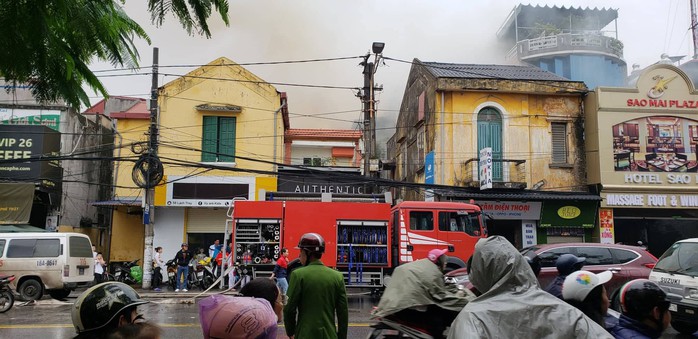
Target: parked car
676	273
626	262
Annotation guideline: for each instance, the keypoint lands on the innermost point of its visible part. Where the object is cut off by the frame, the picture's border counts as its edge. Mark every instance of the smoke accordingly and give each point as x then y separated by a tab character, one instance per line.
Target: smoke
455	31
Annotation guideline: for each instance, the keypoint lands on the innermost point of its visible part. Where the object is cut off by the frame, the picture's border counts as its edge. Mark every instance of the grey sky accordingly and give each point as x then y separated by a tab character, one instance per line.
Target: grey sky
460	31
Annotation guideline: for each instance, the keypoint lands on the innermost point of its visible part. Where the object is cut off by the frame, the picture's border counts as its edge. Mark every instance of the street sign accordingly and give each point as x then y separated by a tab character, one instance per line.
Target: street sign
486	168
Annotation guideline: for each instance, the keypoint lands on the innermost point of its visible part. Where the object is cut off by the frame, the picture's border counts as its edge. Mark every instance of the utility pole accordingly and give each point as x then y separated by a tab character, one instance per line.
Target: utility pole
694	29
148	209
370	105
367	96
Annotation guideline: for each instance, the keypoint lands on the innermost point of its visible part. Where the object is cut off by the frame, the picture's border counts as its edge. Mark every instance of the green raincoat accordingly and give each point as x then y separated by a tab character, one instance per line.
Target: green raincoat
315	294
419	284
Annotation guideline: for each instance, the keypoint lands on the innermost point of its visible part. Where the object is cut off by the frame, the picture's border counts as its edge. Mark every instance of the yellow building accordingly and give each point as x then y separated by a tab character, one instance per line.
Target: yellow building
532	122
220	133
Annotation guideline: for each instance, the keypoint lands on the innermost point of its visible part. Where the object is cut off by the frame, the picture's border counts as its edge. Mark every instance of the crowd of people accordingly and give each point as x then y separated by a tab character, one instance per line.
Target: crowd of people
506	301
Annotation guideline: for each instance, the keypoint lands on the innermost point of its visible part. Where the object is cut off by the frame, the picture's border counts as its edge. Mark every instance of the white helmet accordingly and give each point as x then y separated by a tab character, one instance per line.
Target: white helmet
578	284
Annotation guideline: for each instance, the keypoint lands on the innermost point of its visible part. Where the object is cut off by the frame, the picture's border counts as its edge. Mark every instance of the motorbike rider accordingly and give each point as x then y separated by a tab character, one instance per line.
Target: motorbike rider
645	311
586	291
419	295
315	294
512	305
103	308
565	264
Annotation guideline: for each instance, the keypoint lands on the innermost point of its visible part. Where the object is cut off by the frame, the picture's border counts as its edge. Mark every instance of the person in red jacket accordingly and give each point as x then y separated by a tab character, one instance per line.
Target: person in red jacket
281	273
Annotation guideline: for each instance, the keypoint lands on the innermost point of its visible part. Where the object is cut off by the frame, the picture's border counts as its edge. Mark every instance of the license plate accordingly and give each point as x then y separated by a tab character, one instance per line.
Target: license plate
673	308
81	271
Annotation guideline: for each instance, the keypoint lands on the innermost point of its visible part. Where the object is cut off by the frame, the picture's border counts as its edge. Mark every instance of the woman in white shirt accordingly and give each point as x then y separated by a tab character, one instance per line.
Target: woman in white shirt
99	268
159	262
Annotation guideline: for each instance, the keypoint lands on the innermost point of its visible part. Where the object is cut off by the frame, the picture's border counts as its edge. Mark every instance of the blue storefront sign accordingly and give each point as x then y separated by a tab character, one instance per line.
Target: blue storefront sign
429	168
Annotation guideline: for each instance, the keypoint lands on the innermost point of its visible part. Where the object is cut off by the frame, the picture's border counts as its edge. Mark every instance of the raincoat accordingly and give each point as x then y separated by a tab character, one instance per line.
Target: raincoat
419	284
513	305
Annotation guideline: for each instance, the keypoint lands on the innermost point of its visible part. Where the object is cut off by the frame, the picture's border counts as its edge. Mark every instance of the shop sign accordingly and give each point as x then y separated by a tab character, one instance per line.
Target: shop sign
606	226
485	168
650	200
511	210
529	237
21	147
568	214
43	117
205	191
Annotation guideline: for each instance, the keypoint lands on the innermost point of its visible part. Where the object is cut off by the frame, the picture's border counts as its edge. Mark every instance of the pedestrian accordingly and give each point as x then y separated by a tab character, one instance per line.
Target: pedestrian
213	251
421	296
586	291
143	330
182	259
103	308
281	272
232	317
565	264
315	294
160	269
512	305
200	255
99	268
265	289
645	311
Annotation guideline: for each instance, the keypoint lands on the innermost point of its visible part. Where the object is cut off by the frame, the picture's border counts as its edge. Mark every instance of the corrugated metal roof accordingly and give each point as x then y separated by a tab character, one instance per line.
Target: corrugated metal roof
299	133
520	195
503	72
564	18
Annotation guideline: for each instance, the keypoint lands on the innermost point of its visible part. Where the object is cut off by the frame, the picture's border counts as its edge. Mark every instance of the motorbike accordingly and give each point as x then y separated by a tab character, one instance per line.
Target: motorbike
7	298
123	272
171	272
393	326
204	273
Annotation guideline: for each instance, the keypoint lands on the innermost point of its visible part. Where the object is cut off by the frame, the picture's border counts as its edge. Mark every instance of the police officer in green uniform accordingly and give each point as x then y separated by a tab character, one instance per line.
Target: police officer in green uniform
315	294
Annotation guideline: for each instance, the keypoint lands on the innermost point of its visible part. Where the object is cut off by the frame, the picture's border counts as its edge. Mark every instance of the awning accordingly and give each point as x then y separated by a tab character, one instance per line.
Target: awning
20	228
518	195
16	202
125	201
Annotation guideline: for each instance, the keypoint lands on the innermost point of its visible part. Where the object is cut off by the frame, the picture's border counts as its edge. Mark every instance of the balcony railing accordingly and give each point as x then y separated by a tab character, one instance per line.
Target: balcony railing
507	173
561	43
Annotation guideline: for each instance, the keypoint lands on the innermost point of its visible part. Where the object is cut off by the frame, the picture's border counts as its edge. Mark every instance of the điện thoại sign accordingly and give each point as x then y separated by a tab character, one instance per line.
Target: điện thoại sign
16	202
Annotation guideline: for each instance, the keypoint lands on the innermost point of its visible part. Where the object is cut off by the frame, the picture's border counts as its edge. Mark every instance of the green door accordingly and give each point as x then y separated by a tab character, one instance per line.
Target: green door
489	134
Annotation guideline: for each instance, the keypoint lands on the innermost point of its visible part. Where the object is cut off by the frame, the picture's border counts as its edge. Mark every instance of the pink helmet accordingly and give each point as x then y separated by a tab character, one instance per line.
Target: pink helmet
435	254
229	317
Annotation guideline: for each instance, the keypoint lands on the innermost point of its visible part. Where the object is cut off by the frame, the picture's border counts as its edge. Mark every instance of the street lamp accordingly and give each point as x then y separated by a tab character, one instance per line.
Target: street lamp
378	47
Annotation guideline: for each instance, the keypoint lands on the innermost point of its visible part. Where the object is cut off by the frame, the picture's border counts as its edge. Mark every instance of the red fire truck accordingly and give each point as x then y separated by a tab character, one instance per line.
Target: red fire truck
364	240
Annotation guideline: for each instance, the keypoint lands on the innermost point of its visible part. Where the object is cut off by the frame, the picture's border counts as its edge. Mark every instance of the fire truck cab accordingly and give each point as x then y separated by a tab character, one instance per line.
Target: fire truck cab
364	240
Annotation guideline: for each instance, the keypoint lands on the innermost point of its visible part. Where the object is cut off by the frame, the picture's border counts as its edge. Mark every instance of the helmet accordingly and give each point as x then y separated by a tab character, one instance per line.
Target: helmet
534	263
568	263
638	297
100	304
312	242
434	254
224	316
578	284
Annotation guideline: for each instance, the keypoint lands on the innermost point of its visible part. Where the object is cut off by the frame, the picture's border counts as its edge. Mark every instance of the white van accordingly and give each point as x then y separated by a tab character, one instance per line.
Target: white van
676	273
53	262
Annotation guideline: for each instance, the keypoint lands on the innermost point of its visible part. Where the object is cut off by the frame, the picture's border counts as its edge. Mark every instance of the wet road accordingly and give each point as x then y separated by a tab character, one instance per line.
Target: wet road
178	319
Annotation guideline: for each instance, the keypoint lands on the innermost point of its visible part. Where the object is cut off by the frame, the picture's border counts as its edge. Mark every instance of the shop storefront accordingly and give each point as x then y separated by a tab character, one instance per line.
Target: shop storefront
535	217
642	149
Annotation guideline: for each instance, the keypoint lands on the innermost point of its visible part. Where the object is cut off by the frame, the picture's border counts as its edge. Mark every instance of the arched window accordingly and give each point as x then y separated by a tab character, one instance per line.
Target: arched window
489	134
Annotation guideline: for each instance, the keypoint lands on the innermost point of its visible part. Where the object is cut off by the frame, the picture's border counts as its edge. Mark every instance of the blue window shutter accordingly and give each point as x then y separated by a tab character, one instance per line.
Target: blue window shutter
209	139
226	143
